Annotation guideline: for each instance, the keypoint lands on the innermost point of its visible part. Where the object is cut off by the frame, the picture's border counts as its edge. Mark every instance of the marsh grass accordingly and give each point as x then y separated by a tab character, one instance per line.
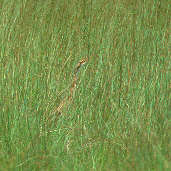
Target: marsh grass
119	118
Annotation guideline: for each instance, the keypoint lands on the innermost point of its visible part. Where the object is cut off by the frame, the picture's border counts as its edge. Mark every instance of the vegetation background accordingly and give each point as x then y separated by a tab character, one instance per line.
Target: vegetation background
119	117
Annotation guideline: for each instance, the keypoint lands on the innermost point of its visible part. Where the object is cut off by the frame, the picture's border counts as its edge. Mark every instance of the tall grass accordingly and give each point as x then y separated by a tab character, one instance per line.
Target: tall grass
119	117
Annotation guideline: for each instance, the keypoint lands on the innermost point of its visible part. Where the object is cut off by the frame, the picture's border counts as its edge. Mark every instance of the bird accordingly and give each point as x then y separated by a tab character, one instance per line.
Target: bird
67	100
57	112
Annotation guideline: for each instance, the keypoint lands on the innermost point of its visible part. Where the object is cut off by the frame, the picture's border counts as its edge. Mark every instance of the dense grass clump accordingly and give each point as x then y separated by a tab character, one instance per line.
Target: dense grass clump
119	116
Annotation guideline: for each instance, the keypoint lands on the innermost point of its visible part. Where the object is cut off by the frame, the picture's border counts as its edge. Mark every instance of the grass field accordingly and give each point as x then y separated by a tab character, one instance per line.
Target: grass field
118	119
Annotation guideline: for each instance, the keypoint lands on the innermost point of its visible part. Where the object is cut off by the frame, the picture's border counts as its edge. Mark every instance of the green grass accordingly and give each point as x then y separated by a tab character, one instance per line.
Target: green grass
119	118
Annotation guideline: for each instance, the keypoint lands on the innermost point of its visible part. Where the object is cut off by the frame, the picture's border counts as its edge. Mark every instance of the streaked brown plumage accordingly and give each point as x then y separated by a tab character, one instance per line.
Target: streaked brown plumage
67	100
53	117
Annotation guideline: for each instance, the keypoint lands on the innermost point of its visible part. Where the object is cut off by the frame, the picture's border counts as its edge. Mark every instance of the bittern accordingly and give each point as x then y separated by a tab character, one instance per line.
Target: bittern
68	99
